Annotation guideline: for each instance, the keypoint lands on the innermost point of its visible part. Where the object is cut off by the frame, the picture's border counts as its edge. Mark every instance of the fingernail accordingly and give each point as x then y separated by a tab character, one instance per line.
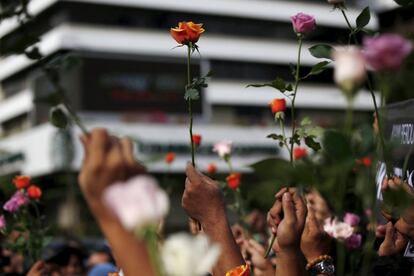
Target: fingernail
286	196
274	230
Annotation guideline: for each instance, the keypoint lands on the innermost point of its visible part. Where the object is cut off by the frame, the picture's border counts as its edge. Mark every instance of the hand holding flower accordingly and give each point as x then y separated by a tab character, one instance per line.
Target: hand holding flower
393	243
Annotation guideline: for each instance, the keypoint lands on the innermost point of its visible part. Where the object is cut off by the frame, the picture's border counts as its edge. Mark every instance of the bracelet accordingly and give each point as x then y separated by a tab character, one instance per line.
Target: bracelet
243	270
321	258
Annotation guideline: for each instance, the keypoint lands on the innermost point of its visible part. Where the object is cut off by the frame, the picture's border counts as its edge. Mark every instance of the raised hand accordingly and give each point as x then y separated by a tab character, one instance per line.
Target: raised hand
315	241
261	266
393	243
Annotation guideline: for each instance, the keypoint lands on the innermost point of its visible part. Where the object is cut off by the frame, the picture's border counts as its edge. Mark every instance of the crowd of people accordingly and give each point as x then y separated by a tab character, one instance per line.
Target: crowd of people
296	220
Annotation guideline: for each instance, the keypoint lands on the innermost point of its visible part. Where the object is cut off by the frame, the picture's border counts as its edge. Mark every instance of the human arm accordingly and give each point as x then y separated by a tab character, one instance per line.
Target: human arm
107	160
203	201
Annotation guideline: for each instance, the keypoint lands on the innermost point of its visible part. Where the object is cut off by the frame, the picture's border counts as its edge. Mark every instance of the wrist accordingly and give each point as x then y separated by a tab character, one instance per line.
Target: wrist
289	253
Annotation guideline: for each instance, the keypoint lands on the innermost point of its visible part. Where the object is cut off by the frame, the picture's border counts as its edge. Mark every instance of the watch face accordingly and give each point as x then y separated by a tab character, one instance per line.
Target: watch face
324	267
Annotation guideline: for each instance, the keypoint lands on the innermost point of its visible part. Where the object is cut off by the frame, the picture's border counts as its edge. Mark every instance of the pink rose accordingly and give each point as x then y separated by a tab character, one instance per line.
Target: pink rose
353	242
350	69
303	23
386	52
138	202
338	229
15	202
352	219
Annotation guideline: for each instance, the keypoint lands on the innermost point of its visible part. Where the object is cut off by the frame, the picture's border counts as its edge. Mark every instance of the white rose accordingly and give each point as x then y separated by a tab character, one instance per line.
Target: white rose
223	148
138	202
185	255
350	69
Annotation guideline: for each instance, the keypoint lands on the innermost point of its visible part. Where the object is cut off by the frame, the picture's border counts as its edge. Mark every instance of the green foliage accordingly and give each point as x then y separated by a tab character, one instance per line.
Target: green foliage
58	117
277	137
336	145
321	51
192	90
405	3
317	69
363	18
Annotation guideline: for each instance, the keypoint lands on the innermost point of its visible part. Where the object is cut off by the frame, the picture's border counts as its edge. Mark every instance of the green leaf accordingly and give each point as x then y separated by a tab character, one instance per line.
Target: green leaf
317	69
58	117
275	136
404	3
363	18
278	84
336	145
310	142
396	200
321	51
273	168
34	53
306	121
192	94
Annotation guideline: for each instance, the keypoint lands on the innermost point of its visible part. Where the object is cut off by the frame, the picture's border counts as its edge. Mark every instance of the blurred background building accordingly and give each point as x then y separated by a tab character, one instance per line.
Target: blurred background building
126	76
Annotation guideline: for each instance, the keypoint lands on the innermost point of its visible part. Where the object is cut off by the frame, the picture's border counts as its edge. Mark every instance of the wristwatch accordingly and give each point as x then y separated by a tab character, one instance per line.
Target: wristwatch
325	267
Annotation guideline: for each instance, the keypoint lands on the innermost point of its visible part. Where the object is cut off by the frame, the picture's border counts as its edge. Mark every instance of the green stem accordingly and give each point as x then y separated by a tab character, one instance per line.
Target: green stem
152	245
296	85
190	109
269	248
282	126
75	118
340	259
371	90
349	115
352	34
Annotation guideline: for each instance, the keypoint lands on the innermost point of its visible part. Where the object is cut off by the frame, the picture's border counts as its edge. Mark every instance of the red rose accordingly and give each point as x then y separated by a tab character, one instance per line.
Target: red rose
196	139
278	105
365	161
169	157
21	181
34	192
187	32
299	153
211	168
233	180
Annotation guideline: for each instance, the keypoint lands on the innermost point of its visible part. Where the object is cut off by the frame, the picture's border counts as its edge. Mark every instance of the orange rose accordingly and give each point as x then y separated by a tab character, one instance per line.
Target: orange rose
211	168
233	180
169	157
299	153
21	181
34	192
278	105
243	270
196	139
187	32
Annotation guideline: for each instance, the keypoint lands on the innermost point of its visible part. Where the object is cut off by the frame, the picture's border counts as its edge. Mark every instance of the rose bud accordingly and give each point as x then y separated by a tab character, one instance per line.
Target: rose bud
386	52
303	23
350	70
211	168
169	157
278	105
197	139
21	181
299	153
365	161
233	180
34	192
